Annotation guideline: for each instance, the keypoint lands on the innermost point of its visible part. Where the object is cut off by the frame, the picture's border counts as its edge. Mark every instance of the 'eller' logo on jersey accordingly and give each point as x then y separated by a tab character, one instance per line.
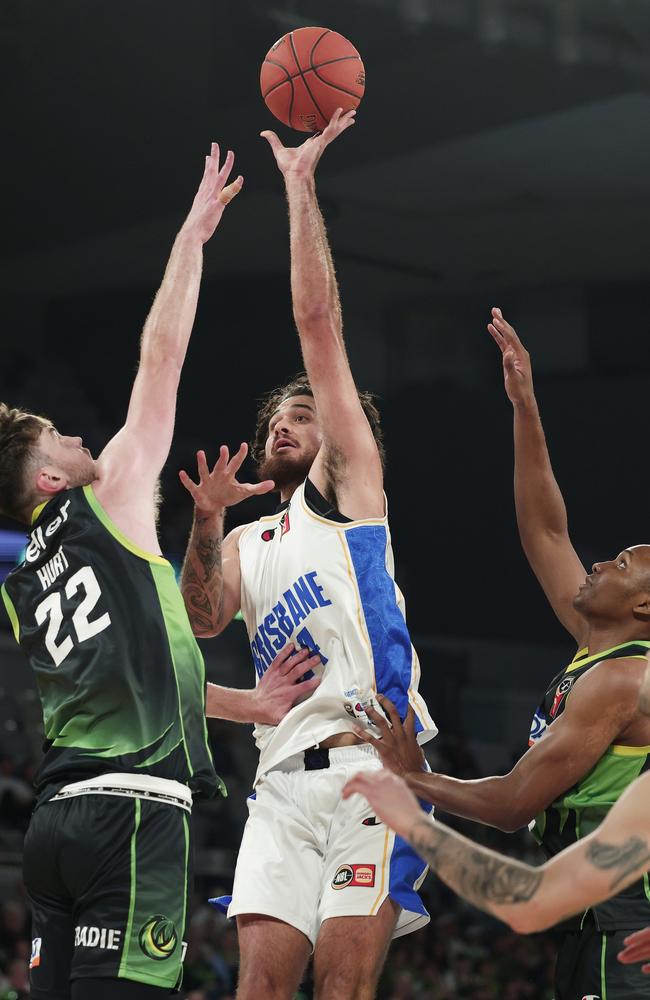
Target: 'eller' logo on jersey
563	689
37	543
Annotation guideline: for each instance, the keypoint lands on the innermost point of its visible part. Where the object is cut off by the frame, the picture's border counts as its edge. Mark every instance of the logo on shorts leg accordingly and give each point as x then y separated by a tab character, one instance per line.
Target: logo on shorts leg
359	875
158	937
35	960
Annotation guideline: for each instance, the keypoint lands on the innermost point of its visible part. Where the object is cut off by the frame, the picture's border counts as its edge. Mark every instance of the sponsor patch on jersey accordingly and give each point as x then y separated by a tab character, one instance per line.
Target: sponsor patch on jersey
563	689
35	959
354	875
371	821
267	536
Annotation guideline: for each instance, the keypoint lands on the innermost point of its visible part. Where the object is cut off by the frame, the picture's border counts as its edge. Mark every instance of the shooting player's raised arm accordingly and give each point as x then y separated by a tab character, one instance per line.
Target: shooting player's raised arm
349	456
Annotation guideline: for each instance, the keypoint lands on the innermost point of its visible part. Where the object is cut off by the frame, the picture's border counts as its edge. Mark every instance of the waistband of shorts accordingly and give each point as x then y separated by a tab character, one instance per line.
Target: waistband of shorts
139	786
358	753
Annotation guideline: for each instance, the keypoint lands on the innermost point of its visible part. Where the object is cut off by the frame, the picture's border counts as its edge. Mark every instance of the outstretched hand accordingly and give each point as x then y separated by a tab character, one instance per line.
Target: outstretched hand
389	798
219	489
517	371
213	195
301	161
398	747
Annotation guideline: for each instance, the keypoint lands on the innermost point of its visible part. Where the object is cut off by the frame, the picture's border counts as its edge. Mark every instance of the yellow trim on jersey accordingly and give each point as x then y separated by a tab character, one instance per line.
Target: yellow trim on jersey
623	751
576	665
36	513
580	655
380	894
113	529
11	612
414	695
362	622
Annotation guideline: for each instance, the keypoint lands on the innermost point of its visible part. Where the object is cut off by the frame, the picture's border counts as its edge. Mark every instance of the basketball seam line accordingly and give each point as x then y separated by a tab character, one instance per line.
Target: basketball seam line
292	76
334	86
288	80
295	56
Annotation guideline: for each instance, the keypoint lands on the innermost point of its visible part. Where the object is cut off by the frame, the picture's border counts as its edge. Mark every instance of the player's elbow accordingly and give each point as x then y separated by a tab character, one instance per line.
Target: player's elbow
207	628
314	316
512	820
528	918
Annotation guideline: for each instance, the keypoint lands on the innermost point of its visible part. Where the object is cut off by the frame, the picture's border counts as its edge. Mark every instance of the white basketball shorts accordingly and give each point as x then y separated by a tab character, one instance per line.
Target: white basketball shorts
307	855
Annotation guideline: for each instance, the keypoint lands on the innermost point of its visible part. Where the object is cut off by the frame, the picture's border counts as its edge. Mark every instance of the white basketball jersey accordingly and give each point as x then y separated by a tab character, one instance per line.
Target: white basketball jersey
327	586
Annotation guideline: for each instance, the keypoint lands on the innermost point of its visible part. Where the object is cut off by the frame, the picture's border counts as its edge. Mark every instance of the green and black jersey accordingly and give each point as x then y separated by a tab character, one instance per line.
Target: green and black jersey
582	808
120	675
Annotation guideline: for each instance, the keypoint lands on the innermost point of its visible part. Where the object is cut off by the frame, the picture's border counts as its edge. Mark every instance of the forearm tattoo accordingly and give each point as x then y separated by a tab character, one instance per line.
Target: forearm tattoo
202	578
622	859
479	875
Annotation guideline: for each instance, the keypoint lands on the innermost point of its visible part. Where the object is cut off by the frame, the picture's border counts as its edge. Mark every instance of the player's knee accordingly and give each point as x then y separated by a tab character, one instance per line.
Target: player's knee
346	983
256	982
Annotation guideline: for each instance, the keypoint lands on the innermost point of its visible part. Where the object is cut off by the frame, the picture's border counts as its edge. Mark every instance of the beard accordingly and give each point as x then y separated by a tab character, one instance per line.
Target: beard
286	470
82	473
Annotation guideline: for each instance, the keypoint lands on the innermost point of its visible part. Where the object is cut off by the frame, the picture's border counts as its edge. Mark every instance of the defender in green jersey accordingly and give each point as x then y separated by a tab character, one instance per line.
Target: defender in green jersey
589	739
96	609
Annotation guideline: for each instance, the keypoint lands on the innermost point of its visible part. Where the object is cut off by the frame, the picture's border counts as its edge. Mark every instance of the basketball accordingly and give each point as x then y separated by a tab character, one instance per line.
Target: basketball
308	74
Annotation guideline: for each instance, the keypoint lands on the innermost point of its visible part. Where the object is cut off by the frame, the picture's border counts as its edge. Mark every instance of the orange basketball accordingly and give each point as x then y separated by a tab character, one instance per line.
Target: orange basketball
308	74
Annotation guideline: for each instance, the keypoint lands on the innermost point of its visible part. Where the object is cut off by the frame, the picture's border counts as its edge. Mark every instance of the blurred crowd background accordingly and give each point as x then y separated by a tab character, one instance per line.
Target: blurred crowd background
501	156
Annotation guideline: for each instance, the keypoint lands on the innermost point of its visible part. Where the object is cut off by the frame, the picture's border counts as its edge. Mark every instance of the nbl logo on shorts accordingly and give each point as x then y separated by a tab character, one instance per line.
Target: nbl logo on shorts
359	875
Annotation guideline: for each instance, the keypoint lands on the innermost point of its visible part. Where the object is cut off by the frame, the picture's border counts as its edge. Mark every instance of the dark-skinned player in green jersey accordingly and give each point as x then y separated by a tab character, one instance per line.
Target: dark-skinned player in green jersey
589	738
96	609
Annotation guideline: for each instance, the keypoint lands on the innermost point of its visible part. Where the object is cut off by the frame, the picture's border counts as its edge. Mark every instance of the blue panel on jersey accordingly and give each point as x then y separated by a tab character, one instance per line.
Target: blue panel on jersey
389	637
406	867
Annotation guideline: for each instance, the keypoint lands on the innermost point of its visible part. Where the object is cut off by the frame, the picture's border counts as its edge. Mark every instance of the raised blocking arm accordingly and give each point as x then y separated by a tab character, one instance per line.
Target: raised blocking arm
541	511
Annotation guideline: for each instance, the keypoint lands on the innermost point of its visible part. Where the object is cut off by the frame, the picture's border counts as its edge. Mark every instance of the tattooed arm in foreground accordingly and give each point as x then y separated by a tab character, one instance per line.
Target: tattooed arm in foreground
527	898
211	583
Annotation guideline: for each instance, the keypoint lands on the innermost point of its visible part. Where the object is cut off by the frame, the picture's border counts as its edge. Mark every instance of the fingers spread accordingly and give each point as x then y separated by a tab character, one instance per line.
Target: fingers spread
390	710
202	464
307	687
237	459
409	724
188	483
379	721
256	489
302	665
282	658
229	192
272	140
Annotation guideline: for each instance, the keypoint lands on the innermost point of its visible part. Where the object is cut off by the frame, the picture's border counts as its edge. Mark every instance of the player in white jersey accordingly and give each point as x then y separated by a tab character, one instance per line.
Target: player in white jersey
314	871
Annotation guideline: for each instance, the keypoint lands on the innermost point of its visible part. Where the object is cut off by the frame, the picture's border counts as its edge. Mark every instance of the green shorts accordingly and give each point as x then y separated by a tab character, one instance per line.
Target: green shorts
588	967
108	879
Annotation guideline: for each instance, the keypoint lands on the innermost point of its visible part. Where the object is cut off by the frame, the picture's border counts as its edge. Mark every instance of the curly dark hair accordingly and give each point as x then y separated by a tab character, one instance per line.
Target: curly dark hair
19	434
300	386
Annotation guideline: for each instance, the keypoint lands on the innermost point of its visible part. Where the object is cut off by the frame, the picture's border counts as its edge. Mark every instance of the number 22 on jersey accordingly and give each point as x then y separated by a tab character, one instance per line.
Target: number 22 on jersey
51	608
